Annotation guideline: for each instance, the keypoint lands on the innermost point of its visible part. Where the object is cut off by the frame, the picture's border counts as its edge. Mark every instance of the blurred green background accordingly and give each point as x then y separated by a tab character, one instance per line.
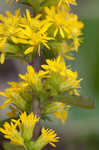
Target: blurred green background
81	132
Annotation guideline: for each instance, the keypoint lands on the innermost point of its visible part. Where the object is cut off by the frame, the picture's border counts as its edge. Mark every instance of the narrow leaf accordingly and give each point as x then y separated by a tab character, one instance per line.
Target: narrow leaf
78	101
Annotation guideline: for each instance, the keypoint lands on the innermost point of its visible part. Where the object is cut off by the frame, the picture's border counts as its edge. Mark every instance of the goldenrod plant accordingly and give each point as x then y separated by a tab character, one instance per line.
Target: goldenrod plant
47	37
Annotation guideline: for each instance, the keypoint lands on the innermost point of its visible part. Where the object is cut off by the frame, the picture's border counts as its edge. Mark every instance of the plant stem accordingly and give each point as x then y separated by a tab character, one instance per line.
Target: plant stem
35	103
36	110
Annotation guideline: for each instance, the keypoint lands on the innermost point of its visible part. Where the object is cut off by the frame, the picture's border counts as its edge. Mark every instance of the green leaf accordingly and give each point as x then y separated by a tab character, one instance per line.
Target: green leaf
35	4
49	3
11	48
78	101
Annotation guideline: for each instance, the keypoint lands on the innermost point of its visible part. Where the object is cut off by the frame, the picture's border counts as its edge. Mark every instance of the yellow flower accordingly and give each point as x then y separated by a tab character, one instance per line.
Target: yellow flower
66	48
65	23
17	94
28	121
27	125
55	18
66	79
10	132
72	82
58	109
33	22
62	111
57	66
32	78
9	26
20	132
62	115
47	136
8	29
32	33
33	39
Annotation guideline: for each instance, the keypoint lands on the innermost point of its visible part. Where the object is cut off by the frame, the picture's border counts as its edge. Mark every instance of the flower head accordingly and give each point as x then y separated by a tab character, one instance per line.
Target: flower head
9	26
18	94
63	22
10	132
27	30
60	78
47	136
8	29
27	125
32	78
58	109
20	132
55	66
34	39
33	22
62	111
32	33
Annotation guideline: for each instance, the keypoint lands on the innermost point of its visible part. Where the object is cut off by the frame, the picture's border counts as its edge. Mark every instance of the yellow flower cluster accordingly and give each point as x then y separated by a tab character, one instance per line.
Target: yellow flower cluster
54	79
8	29
53	27
25	125
60	110
25	30
19	95
61	78
48	136
31	34
33	79
64	22
10	132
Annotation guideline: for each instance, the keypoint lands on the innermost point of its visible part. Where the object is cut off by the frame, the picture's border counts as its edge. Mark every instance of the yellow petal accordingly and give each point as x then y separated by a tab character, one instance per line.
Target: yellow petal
5	103
61	32
2	58
28	50
55	32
